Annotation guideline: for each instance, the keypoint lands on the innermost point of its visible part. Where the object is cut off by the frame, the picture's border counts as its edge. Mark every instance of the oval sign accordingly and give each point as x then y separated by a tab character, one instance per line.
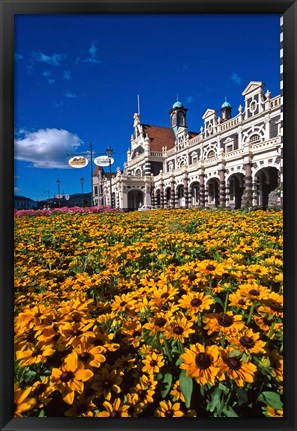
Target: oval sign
78	162
103	161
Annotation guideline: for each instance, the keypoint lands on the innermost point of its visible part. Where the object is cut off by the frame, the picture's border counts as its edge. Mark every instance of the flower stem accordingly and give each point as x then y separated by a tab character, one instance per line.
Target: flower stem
251	313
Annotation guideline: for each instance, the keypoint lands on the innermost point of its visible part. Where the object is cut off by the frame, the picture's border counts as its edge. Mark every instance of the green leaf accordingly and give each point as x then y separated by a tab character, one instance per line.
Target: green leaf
272	399
242	396
215	400
186	386
229	412
166	383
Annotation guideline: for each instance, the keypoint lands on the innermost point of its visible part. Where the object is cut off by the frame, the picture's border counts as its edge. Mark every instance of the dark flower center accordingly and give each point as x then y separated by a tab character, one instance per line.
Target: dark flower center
225	320
160	321
82	408
84	356
153	363
123	303
247	342
141	393
39	389
241	302
203	360
36	352
66	376
192	276
210	267
196	302
114	414
106	384
276	306
169	413
76	332
38	315
233	363
165	295
178	330
254	292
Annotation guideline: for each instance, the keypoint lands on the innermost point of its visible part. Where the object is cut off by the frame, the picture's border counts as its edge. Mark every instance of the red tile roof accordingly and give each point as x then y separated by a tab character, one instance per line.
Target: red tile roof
159	136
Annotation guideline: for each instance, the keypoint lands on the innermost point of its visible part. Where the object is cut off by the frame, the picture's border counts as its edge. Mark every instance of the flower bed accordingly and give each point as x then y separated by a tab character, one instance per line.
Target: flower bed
158	313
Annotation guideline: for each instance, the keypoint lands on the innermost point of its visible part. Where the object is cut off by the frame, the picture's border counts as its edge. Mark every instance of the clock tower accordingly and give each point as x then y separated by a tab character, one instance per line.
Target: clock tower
178	117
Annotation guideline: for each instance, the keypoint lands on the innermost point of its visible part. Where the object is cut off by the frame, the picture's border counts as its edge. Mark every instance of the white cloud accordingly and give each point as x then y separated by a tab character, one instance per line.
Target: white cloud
18	56
47	74
46	148
67	74
236	78
70	95
92	57
53	60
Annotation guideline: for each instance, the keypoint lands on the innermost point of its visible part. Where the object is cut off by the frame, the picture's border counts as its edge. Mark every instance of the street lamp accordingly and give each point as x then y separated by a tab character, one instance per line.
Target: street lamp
82	191
109	152
58	184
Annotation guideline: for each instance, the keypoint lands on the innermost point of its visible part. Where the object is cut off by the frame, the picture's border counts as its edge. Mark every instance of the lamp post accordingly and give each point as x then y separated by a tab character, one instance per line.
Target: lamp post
58	184
82	191
109	152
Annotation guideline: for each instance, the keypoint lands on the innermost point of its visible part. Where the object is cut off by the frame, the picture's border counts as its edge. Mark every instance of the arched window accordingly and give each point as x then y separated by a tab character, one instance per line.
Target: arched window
255	138
210	154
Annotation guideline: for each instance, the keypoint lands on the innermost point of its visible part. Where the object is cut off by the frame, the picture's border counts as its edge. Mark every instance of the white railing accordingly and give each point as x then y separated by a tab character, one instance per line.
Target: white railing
275	102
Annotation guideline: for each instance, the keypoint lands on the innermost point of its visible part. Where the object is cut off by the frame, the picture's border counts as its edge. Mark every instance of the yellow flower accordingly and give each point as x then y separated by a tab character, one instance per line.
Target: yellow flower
88	355
34	354
176	392
233	366
70	378
273	413
196	302
22	402
247	341
179	328
201	363
223	322
116	409
167	409
108	380
153	363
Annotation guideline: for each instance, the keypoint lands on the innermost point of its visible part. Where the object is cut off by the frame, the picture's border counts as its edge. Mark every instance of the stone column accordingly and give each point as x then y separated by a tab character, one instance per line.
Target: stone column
162	193
186	189
202	190
222	189
247	194
173	197
227	194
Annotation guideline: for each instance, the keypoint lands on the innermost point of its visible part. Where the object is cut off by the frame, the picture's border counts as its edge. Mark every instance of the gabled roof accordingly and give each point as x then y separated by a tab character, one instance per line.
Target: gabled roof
159	137
105	174
208	113
253	85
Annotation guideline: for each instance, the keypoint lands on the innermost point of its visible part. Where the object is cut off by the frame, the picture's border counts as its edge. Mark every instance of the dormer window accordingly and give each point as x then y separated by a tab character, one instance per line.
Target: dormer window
253	106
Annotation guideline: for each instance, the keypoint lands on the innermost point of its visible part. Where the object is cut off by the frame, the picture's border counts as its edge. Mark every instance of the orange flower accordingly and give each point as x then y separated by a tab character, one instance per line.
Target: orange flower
22	402
70	378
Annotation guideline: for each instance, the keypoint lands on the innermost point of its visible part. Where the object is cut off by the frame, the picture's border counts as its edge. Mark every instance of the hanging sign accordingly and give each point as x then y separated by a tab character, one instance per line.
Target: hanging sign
103	161
78	162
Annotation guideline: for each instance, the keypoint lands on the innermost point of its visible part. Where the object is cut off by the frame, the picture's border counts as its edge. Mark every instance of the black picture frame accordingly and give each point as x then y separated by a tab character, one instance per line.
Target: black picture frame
8	8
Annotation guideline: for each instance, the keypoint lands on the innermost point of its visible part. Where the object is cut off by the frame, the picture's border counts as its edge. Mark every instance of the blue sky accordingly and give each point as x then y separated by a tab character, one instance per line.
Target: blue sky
77	78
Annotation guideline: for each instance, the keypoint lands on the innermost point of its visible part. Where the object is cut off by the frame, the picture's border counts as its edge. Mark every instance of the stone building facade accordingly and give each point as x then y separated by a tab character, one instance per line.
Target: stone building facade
232	162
